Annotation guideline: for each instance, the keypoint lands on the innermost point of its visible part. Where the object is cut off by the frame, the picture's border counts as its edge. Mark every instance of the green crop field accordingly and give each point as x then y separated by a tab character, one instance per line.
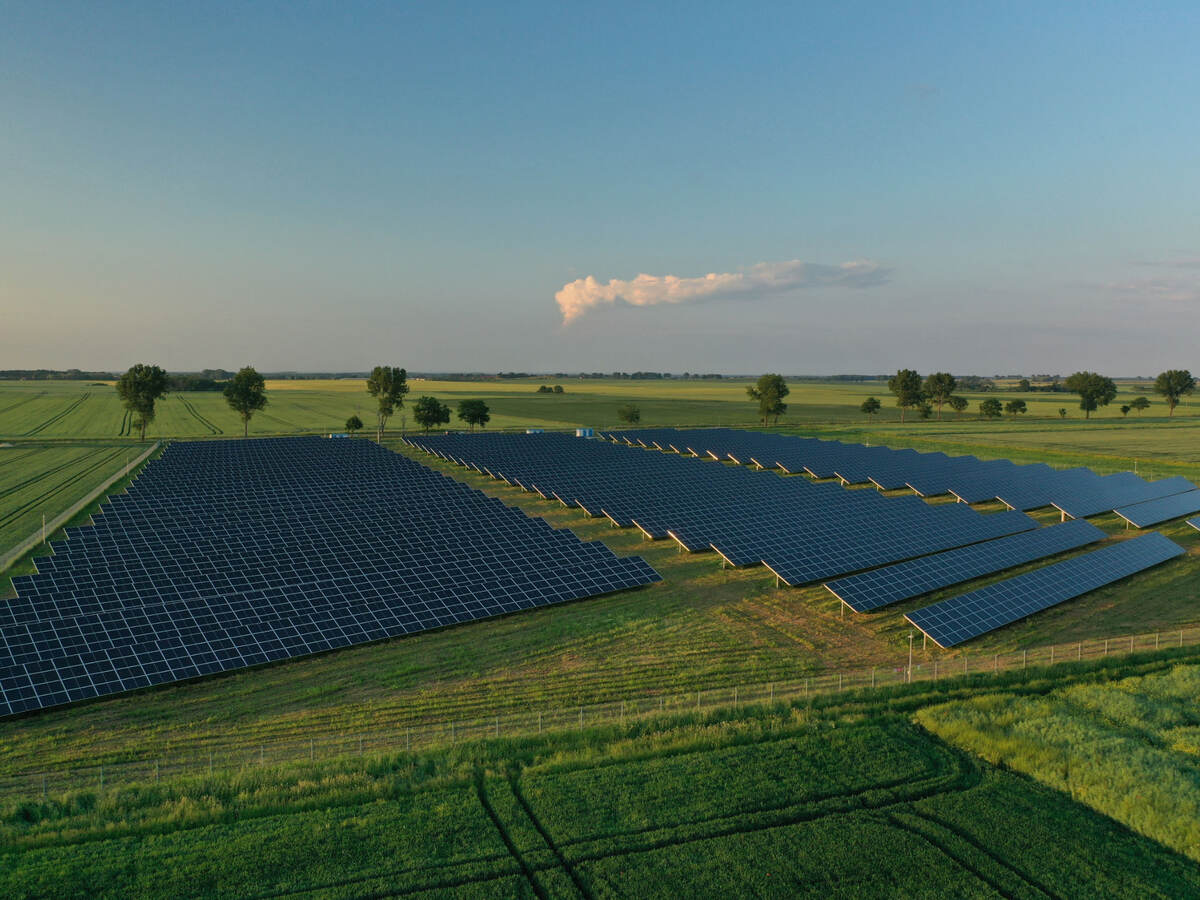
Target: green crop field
54	409
787	802
45	479
845	797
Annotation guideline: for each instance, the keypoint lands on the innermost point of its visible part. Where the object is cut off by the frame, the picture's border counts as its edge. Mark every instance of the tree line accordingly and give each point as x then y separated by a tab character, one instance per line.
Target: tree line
930	394
142	386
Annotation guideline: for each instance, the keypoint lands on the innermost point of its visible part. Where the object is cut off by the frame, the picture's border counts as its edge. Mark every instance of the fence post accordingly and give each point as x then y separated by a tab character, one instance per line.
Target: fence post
839	681
1079	651
1051	654
1180	637
581	718
1106	646
872	676
1024	659
539	723
1156	640
1131	643
772	689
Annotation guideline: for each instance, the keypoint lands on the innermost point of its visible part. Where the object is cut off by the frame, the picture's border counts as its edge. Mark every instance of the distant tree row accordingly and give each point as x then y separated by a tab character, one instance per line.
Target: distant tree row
547	389
1094	390
141	387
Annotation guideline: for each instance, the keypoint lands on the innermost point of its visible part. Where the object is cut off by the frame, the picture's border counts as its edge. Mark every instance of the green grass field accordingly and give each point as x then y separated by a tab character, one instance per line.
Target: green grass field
44	479
841	797
58	409
596	812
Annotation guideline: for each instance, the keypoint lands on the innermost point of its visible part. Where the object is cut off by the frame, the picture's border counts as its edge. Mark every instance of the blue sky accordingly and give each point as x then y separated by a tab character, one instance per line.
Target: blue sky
331	185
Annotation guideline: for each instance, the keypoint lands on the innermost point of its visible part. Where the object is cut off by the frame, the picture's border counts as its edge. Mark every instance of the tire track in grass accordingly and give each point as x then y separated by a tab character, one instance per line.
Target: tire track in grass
963	836
33	479
514	783
941	846
966	778
22	402
60	416
13	514
212	429
507	839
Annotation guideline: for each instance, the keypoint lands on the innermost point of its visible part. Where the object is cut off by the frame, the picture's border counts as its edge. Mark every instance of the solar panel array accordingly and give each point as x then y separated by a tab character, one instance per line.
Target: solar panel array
1077	492
890	584
969	615
227	554
803	531
1164	509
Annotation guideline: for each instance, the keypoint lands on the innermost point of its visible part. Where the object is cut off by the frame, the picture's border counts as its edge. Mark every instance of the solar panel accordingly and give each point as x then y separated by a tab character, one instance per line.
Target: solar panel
969	615
226	554
1123	489
1152	512
902	581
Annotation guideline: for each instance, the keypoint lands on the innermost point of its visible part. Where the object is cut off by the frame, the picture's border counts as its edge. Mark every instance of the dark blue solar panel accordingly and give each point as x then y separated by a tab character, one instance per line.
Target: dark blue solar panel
228	553
1164	509
969	615
902	581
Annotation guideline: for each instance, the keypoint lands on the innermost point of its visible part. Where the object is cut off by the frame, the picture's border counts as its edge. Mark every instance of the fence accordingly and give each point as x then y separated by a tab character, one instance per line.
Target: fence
213	758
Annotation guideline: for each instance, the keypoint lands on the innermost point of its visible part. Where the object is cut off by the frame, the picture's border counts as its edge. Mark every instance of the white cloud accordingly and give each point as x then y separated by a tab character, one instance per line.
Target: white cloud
577	297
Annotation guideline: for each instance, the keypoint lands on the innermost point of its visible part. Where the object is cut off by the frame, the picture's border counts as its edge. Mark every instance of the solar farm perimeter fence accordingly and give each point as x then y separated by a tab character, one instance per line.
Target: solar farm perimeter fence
220	758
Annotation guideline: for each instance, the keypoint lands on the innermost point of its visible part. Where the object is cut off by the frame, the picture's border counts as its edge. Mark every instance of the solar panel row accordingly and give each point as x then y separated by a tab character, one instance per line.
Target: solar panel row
890	584
227	554
969	615
803	531
1164	509
1077	492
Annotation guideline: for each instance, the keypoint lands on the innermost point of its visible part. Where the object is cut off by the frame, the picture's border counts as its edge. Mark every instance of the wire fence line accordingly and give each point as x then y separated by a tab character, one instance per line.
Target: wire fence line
251	753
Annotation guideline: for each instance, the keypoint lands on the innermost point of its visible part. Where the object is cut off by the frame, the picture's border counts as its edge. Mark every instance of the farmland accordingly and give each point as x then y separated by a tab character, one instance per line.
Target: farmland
843	797
57	409
505	816
39	479
1127	748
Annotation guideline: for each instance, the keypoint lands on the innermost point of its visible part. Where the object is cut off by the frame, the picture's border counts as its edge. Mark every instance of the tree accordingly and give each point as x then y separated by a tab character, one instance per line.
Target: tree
1174	385
353	424
1024	385
1139	403
429	411
990	408
870	406
958	404
474	412
906	385
1015	407
1062	412
629	414
938	388
388	385
1125	409
1094	391
246	394
139	388
769	391
558	389
924	410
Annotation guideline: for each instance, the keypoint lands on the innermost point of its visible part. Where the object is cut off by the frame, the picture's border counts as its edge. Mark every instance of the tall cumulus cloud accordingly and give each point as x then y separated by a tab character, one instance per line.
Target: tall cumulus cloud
577	297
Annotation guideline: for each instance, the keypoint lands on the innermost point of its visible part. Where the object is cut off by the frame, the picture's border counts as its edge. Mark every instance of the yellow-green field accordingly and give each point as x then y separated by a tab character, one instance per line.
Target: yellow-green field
57	409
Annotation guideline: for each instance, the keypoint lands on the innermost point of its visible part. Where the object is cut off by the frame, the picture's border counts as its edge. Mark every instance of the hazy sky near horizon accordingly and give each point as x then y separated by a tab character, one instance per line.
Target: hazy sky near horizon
848	187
